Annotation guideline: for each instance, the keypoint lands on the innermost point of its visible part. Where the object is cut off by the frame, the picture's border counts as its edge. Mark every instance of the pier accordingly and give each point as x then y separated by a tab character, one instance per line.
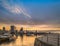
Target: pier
52	39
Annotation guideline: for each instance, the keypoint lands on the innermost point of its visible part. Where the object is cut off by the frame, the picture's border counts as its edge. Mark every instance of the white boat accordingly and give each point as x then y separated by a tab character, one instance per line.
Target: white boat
7	36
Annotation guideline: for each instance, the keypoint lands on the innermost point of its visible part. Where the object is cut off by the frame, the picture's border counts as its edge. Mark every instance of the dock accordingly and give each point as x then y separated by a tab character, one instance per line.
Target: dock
52	39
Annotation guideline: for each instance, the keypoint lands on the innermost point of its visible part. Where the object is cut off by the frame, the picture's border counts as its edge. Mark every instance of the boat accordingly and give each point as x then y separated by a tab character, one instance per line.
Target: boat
29	34
7	36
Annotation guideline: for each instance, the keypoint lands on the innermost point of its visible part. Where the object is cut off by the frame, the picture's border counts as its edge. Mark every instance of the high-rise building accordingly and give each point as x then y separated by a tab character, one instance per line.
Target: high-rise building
3	28
12	29
21	29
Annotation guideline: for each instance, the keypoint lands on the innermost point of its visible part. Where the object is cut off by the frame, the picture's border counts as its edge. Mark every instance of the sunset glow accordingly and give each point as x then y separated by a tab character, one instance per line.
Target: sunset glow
31	27
29	22
31	15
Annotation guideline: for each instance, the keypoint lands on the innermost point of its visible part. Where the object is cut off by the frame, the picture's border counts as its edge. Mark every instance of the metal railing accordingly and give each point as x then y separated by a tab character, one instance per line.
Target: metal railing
52	38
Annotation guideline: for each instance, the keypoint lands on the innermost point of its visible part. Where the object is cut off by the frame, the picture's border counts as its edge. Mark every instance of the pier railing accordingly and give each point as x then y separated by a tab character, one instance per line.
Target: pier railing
51	39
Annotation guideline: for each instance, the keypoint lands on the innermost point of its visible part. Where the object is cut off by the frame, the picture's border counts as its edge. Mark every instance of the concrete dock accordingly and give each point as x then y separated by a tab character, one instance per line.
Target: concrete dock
51	39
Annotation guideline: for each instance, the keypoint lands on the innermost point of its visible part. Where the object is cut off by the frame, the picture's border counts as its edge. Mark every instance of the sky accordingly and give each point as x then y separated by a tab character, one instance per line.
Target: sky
30	13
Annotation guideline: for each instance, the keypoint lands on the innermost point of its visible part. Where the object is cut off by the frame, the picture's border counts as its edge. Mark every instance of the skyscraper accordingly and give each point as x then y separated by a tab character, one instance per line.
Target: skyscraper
4	29
12	29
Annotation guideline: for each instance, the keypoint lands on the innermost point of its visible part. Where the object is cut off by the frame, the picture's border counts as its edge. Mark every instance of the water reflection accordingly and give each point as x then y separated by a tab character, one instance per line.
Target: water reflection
21	41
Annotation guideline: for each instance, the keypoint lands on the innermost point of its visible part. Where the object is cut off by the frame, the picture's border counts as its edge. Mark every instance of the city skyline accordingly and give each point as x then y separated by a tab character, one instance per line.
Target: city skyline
30	28
30	14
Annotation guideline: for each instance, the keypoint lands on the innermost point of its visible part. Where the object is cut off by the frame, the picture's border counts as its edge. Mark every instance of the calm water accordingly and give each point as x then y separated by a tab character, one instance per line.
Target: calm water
21	41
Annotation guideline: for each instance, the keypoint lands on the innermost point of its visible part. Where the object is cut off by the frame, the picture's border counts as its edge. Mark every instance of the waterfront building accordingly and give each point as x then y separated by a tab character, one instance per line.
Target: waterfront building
12	30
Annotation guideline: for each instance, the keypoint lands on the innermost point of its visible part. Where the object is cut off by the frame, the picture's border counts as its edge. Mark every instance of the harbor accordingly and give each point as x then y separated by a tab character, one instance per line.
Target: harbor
29	22
13	37
21	37
20	41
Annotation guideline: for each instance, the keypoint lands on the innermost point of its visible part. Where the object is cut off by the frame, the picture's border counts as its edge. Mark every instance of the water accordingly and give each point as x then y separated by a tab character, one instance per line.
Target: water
21	41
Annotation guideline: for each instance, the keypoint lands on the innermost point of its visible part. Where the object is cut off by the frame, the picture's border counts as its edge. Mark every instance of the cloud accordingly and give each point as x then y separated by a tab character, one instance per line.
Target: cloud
41	13
15	9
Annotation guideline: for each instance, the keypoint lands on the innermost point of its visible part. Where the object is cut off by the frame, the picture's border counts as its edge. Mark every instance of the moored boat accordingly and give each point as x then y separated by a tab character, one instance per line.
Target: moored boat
7	36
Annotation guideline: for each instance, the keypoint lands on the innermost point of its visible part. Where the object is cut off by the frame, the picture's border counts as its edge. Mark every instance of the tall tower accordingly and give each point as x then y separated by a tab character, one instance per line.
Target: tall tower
12	29
3	28
21	29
